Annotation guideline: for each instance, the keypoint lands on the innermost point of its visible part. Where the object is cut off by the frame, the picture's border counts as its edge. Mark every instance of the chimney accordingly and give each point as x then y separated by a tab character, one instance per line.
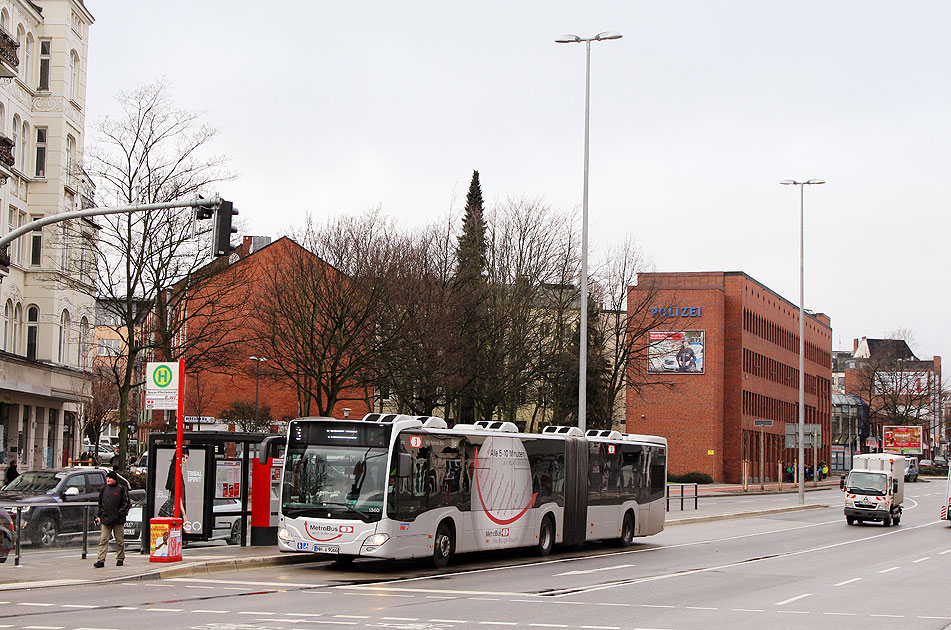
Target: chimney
855	343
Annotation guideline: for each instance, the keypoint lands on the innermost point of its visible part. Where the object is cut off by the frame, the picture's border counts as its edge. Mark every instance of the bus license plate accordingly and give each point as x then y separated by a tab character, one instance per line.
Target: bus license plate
326	549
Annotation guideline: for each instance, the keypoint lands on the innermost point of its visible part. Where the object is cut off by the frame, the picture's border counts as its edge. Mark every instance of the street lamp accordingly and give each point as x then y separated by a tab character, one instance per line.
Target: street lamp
802	338
257	379
583	329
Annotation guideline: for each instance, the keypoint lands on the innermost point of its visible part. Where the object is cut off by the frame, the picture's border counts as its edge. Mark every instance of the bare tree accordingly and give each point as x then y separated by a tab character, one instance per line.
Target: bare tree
152	152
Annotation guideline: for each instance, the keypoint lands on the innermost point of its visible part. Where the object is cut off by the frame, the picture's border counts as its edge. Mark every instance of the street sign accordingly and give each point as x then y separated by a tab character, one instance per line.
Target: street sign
792	433
200	419
762	423
161	385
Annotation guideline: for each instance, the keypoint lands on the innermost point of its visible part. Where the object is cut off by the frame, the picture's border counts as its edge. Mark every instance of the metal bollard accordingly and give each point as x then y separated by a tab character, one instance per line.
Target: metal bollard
668	498
696	496
85	530
16	558
681	497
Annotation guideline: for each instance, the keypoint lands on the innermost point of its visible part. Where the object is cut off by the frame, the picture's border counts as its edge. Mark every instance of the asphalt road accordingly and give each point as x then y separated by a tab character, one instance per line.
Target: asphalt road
795	570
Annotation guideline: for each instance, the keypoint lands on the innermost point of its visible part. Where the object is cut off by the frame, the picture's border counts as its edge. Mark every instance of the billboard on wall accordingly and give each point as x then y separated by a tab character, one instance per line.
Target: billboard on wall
675	352
901	439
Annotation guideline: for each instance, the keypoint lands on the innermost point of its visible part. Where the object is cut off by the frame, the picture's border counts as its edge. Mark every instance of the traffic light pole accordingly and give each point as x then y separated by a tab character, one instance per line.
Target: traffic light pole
95	212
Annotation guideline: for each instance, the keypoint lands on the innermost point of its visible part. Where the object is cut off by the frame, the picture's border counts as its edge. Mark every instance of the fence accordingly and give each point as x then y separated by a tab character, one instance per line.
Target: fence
18	506
696	496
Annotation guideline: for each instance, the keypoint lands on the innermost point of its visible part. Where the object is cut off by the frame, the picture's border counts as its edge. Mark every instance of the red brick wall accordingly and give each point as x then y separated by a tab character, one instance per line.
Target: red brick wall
703	413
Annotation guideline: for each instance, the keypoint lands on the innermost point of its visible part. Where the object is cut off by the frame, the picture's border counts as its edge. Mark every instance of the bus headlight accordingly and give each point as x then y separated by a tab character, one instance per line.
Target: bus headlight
284	535
376	540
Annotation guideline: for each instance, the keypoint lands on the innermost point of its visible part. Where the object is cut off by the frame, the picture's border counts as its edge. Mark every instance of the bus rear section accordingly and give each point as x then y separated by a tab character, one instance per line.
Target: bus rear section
404	487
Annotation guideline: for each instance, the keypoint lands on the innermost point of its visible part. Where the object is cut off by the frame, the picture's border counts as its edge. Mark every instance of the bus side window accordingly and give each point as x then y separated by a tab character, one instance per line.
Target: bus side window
411	495
632	457
595	465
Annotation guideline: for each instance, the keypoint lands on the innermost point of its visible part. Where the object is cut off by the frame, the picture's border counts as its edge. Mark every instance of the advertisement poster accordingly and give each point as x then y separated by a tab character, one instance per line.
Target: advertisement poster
227	479
902	439
193	486
675	352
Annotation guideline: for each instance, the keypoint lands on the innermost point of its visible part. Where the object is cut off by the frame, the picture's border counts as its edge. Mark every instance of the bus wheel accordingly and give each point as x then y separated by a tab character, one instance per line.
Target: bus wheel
546	537
627	531
443	546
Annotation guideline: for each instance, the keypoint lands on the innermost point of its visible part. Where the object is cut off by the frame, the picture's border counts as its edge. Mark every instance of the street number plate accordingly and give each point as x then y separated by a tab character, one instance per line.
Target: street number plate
326	549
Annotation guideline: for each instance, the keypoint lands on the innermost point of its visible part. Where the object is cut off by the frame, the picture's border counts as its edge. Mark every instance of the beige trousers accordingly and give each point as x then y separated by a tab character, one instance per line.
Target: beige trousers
107	532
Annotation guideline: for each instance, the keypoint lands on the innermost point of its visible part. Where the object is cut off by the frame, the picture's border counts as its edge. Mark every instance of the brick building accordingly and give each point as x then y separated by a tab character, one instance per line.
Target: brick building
209	391
726	352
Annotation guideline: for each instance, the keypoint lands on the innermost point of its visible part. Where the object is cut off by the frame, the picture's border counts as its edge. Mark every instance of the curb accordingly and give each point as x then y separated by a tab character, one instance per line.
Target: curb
758	493
736	515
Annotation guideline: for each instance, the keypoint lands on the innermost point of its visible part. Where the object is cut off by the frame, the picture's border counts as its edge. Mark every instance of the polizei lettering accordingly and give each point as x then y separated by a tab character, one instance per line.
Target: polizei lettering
676	311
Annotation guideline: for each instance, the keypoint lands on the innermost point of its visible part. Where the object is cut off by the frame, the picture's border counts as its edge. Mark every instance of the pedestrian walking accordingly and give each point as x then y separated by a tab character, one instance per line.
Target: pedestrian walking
114	505
11	474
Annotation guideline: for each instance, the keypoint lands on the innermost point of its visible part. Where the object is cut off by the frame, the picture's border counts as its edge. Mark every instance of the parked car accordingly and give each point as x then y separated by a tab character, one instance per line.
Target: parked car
940	460
141	465
132	530
7	535
44	525
911	469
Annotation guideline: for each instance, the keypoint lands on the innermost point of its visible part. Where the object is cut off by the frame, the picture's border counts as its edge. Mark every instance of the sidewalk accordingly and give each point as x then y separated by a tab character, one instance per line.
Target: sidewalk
65	566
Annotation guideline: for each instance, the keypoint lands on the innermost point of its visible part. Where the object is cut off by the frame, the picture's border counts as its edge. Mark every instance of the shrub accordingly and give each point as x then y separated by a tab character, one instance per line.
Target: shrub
690	477
941	471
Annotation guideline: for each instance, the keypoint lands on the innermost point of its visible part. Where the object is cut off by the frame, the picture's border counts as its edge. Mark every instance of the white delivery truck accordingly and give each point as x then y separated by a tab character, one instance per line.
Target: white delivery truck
874	488
946	506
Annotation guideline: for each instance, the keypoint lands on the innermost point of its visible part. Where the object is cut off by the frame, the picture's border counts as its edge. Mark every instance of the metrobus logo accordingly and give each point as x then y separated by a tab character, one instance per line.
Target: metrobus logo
416	441
162	376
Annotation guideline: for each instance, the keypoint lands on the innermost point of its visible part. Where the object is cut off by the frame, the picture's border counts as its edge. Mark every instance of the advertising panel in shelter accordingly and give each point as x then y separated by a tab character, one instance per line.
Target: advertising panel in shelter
675	352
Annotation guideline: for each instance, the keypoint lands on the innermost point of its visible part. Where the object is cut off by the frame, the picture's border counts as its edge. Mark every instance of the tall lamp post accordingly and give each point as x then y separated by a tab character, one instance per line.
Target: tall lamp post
257	380
802	338
583	329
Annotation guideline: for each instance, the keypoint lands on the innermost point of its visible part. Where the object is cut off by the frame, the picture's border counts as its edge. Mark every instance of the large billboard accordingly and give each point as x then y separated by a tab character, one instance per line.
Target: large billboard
675	352
901	439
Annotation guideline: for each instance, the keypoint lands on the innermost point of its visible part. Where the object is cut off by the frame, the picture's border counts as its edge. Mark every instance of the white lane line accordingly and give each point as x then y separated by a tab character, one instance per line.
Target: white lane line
351	617
944	552
244	582
841	614
44	627
307	615
601	627
889	569
444	620
33	604
197	586
656	606
548	625
254	612
487	599
848	581
401	619
498	623
127	608
526	601
583	572
206	610
747	610
792	599
921	560
170	610
891	616
85	628
793	612
78	605
700	608
923	617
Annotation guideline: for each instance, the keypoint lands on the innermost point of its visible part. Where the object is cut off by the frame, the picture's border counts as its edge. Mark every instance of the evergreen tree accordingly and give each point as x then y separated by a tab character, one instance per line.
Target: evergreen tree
471	249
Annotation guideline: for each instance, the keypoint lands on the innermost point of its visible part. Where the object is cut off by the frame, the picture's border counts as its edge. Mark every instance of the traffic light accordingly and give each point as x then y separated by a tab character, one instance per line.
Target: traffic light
221	237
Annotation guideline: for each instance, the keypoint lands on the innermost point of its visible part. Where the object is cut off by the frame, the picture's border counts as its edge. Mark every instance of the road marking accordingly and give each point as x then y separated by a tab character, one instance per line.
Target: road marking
921	560
656	606
601	627
700	608
78	605
792	599
840	614
205	610
247	583
172	610
892	616
442	620
33	604
889	569
197	586
85	628
252	612
487	599
127	608
793	612
548	625
526	601
308	615
498	623
582	572
934	617
848	581
748	610
44	627
944	552
351	617
402	619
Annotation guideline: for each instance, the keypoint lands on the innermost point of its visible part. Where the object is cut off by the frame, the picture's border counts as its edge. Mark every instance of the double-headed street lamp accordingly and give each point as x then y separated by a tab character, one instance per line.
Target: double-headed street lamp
257	379
802	337
583	329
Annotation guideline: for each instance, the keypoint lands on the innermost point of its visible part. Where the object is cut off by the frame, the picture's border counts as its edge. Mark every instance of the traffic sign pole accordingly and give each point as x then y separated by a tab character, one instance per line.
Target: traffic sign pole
178	441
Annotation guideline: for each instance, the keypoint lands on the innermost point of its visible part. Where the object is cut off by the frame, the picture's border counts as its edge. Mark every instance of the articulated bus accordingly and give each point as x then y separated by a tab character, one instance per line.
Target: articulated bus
396	486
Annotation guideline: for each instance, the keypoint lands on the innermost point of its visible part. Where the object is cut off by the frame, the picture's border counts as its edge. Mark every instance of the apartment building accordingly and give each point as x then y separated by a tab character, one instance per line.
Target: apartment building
47	327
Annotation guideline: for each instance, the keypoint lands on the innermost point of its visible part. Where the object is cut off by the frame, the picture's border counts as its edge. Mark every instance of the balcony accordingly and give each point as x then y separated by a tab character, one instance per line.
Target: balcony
6	158
9	62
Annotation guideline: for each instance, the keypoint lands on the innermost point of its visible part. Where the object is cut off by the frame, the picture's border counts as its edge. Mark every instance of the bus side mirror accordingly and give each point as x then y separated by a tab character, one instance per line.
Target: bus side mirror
404	465
269	447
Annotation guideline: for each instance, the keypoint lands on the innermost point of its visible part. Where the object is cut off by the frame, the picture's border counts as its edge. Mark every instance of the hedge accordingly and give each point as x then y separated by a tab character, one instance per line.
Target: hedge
690	477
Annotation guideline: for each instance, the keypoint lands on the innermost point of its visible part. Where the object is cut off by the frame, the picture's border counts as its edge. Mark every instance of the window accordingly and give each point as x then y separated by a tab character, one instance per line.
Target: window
73	75
109	347
70	161
1	117
64	337
36	244
7	315
17	323
46	48
32	331
41	151
5	20
21	38
26	58
25	144
16	132
83	342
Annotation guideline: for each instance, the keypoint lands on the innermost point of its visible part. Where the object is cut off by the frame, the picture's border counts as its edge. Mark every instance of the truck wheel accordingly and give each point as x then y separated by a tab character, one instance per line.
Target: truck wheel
887	521
850	520
896	520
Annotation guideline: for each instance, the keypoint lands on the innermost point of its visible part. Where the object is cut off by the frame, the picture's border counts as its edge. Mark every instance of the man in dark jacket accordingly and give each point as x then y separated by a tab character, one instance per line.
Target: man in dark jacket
114	504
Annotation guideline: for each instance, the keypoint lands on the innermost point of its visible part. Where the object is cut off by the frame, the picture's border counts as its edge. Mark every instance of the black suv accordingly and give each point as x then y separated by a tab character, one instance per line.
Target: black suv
43	525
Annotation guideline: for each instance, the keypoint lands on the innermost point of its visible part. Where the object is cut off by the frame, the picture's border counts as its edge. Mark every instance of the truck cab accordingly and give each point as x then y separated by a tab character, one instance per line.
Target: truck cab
874	489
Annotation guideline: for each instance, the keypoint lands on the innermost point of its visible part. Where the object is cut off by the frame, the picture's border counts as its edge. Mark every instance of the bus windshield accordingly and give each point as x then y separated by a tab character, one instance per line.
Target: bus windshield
335	471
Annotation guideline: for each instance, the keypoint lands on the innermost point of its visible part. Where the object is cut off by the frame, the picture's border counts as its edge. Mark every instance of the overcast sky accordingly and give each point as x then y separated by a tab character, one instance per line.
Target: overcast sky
696	115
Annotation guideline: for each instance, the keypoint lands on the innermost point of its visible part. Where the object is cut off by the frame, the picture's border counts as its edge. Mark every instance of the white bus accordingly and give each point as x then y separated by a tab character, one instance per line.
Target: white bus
396	486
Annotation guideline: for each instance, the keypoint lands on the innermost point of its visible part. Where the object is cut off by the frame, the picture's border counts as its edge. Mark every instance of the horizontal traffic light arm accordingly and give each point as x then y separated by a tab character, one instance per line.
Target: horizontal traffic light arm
95	212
